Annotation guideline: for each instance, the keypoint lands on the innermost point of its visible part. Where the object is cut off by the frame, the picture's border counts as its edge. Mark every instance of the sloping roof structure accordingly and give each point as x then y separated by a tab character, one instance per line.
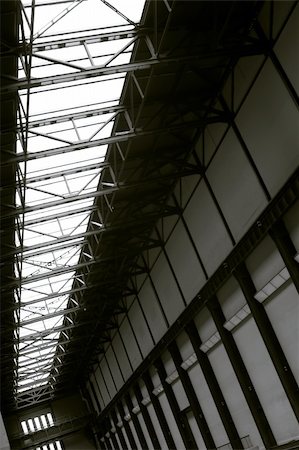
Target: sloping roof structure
98	125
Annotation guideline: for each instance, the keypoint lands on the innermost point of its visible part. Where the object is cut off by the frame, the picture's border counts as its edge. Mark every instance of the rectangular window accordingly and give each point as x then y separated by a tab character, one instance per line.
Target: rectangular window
56	445
38	423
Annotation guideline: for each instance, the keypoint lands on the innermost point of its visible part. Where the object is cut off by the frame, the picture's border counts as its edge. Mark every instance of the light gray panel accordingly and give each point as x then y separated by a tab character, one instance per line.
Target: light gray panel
114	368
128	446
130	343
185	262
283	312
231	297
102	386
269	125
235	186
171	422
141	329
205	324
184	189
207	229
168	363
157	427
144	429
152	311
212	135
180	394
207	405
167	290
291	220
266	382
195	430
244	73
131	425
184	344
264	263
121	356
287	48
233	395
94	403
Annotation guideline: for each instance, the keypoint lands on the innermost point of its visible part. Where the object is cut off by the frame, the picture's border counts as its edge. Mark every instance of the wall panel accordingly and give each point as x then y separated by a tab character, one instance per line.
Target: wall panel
269	128
264	263
117	376
167	290
286	49
130	343
140	328
152	311
185	262
283	312
265	380
121	356
206	226
231	168
233	395
207	404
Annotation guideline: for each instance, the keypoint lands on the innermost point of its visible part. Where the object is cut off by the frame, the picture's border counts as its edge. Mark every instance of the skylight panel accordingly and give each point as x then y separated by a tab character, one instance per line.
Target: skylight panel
61	158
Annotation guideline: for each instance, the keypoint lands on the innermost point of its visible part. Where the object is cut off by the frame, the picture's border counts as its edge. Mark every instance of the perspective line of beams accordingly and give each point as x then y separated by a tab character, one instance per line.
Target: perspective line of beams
119	137
147	220
206	56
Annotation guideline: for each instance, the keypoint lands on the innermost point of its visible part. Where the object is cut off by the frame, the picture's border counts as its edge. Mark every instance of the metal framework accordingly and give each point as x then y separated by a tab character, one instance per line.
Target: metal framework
91	174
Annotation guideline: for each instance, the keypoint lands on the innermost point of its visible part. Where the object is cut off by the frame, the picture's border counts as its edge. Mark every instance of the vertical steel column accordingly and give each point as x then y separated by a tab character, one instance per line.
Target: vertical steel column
214	387
286	248
136	422
159	411
191	395
126	426
119	430
242	374
180	418
147	418
269	337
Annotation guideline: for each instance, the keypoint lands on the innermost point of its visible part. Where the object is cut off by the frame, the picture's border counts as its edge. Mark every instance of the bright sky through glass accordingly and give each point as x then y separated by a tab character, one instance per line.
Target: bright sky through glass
59	187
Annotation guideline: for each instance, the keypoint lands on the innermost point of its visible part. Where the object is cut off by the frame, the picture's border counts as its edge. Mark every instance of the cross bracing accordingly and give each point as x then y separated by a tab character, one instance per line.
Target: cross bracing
93	174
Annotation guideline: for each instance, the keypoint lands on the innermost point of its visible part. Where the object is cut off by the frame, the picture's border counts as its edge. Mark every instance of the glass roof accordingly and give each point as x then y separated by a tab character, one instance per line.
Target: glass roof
57	179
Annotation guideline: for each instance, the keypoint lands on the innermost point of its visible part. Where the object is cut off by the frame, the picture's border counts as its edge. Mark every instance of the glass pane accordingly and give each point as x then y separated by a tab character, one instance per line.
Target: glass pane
30	425
58	445
24	427
37	423
44	422
50	419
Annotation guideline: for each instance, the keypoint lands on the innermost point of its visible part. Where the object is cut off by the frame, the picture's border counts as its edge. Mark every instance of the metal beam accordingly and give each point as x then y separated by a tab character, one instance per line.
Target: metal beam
204	56
118	137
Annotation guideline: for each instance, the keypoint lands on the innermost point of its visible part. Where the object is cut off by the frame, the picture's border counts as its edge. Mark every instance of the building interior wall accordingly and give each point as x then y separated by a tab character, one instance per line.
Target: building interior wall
220	378
247	163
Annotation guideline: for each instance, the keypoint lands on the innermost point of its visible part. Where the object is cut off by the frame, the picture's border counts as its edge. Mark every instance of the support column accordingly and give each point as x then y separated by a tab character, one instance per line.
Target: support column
191	395
214	387
269	337
242	374
159	412
136	422
119	431
126	426
146	418
180	418
286	248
